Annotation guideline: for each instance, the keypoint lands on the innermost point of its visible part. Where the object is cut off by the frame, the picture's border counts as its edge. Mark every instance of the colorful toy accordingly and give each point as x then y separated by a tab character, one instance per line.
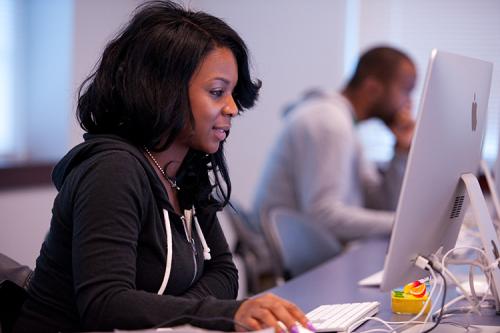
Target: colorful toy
411	298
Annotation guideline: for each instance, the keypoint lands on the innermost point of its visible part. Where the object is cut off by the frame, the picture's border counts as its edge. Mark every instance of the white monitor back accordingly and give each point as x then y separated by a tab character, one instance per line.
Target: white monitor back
447	143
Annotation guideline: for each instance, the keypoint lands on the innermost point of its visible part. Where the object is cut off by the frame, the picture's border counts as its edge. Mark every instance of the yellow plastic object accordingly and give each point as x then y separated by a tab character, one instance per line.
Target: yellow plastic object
410	299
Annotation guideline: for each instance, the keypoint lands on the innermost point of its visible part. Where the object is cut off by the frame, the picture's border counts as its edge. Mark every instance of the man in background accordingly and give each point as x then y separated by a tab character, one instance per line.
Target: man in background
318	167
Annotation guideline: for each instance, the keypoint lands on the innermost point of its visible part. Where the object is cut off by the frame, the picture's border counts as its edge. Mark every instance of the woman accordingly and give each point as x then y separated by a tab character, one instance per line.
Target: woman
134	240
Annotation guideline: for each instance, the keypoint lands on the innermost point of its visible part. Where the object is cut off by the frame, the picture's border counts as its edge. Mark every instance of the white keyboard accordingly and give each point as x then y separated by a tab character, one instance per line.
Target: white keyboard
340	317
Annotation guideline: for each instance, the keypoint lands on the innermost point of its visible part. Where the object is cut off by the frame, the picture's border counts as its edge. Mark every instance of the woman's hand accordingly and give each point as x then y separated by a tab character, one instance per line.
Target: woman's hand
270	311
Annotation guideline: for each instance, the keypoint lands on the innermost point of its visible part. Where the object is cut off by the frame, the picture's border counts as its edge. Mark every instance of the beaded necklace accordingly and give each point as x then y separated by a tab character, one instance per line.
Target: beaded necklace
170	180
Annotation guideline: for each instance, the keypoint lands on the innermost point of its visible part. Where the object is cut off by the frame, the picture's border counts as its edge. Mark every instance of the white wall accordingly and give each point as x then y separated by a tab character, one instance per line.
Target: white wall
25	217
294	45
96	22
25	214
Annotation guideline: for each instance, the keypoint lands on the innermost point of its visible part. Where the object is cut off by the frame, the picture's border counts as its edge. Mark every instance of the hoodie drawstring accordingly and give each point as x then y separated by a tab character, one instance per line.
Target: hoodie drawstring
168	231
206	249
168	266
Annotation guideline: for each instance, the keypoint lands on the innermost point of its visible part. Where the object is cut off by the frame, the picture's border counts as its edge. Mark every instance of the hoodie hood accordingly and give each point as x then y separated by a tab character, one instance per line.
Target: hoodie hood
95	144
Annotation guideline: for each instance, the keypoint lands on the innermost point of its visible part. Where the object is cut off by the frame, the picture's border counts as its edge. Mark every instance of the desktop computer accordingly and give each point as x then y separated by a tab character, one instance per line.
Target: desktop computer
440	183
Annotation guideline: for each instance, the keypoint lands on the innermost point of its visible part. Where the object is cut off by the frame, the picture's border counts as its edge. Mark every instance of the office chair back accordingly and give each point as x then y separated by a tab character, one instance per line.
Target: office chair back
251	247
14	280
296	244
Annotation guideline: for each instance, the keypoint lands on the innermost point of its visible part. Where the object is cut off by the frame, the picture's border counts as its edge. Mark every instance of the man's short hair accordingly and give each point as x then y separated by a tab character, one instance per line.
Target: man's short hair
379	62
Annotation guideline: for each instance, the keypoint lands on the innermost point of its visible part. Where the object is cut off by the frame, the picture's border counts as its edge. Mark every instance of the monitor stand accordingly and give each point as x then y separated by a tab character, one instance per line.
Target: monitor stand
487	231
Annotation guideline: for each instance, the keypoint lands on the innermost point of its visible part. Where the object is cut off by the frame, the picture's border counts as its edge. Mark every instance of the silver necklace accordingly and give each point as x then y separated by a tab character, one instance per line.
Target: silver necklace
170	180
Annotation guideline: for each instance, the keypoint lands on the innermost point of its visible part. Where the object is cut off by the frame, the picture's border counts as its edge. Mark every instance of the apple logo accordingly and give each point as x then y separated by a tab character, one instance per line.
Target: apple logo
474	114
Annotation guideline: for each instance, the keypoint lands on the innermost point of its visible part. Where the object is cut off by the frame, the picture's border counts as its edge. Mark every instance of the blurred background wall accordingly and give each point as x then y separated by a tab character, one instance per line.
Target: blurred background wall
294	45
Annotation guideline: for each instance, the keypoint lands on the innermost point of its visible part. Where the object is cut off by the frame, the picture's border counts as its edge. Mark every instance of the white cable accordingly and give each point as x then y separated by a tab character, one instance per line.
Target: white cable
356	324
493	265
474	263
436	298
470	308
377	330
481	251
462	309
450	275
431	294
414	320
421	312
489	279
436	286
402	323
471	285
450	303
475	305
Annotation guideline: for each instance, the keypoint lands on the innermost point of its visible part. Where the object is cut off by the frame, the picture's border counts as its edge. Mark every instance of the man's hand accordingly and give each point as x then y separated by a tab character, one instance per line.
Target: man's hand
403	128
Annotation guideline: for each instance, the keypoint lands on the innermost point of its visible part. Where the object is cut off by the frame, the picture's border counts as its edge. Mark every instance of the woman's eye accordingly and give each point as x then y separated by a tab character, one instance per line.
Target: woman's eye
217	93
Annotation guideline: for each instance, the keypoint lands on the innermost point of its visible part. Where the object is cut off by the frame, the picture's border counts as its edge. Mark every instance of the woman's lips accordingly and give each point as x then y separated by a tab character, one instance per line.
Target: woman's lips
221	132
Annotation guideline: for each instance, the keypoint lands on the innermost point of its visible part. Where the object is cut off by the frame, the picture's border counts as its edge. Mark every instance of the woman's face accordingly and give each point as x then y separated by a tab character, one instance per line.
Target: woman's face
212	103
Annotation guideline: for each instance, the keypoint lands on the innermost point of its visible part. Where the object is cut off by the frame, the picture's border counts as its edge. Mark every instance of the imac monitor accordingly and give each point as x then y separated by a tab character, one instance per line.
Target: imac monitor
447	144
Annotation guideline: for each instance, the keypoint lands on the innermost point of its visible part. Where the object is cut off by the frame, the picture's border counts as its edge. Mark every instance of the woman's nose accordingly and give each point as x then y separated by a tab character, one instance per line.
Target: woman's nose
230	109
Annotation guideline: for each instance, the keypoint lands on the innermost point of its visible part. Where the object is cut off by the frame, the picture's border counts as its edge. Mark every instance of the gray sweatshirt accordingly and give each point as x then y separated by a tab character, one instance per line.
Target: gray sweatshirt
317	167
